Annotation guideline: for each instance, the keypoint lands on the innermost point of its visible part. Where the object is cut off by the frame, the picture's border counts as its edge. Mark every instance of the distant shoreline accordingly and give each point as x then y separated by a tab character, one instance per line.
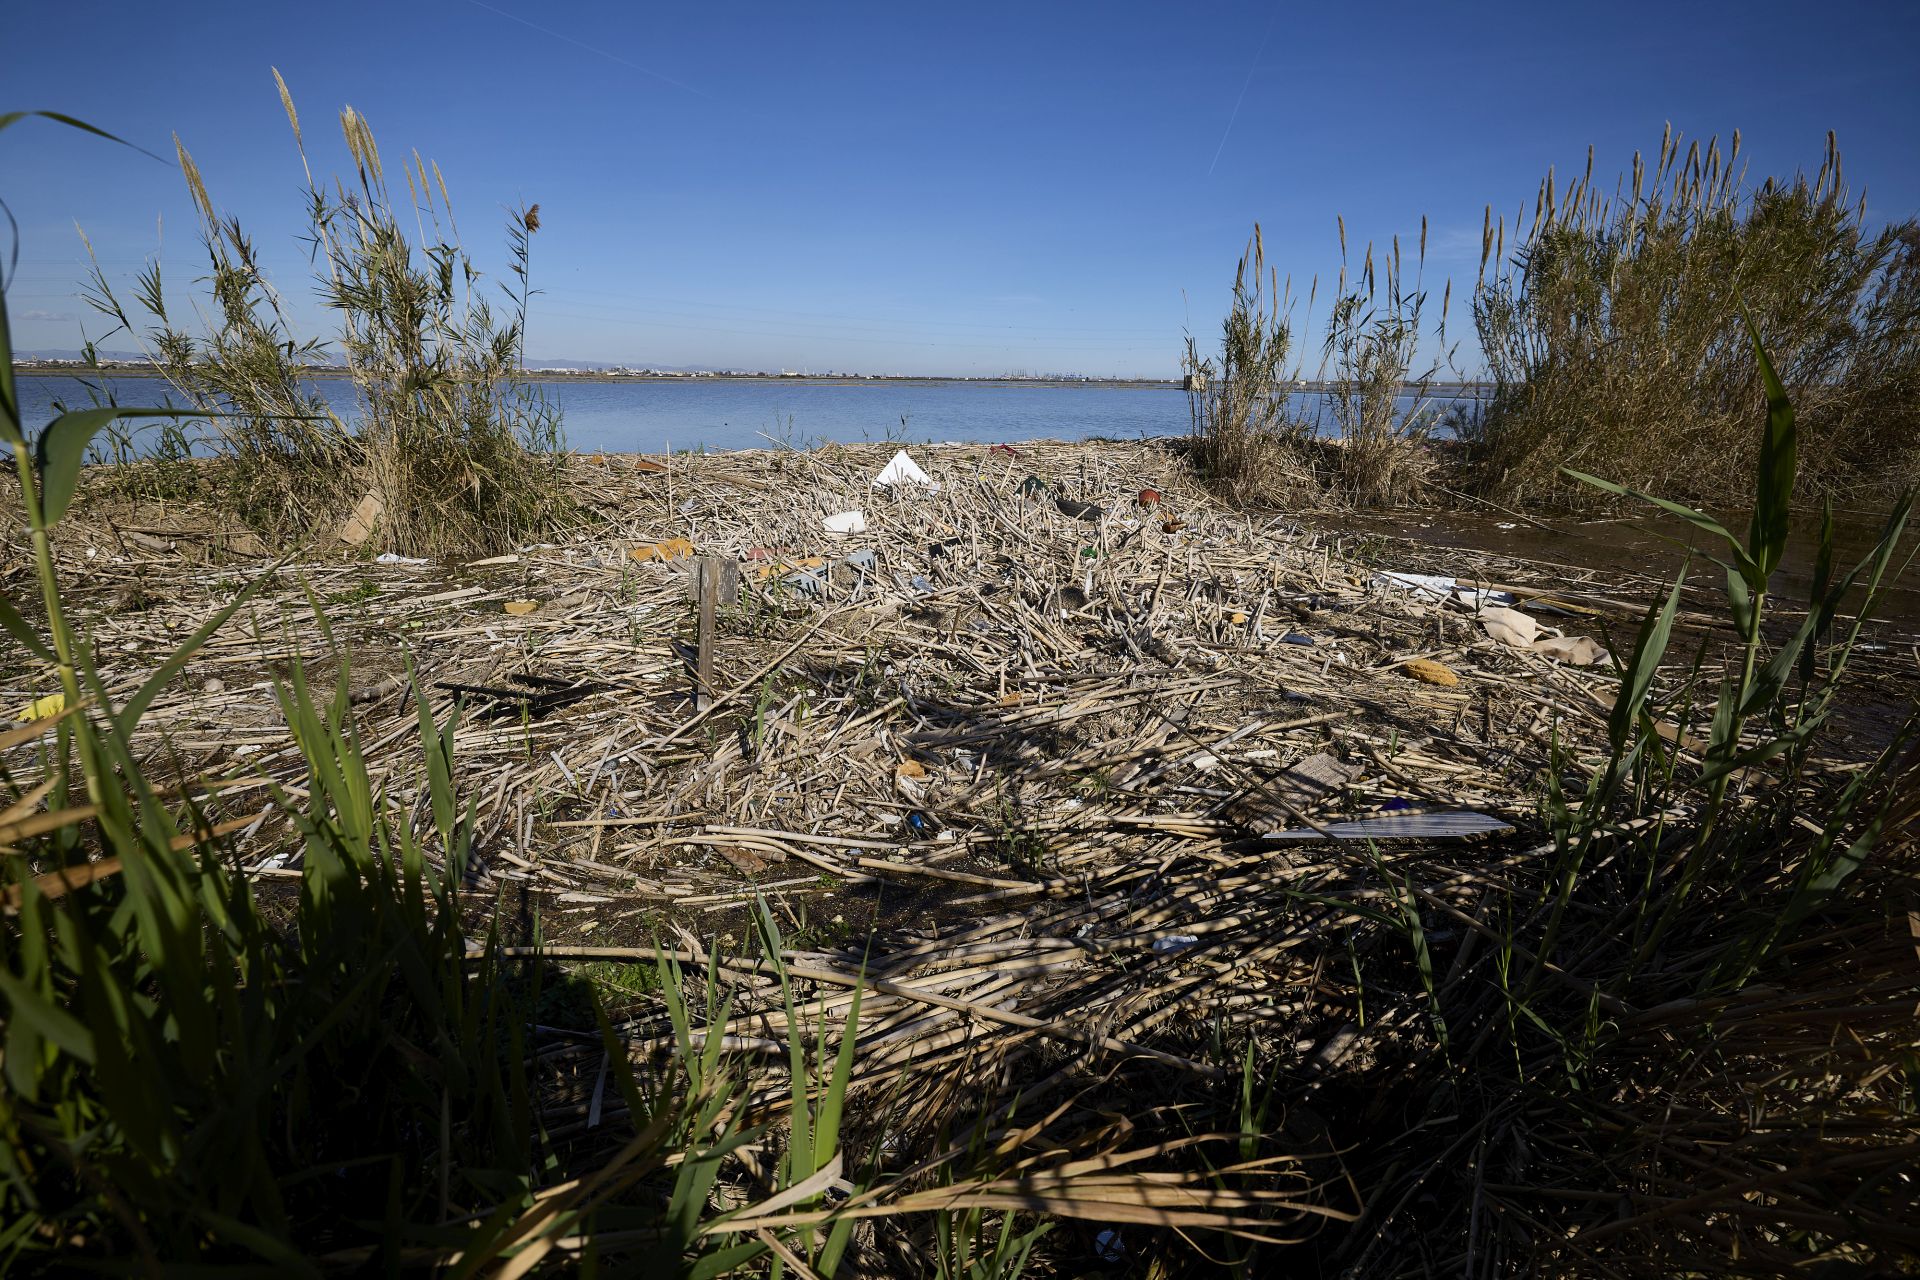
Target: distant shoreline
44	369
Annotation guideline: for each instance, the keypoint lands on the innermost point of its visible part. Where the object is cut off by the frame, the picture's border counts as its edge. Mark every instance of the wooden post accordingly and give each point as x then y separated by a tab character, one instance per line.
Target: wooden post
706	589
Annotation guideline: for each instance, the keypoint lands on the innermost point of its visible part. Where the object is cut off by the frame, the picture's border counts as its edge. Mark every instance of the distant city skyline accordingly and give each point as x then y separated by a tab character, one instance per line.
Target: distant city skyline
959	192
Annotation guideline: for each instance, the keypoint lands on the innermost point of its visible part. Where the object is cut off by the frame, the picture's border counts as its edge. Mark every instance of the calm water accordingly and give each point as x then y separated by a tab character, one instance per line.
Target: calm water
651	417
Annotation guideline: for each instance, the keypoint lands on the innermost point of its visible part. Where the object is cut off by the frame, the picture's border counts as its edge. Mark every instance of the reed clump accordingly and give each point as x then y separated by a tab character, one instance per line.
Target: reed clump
1243	440
460	453
1612	340
1376	386
1367	444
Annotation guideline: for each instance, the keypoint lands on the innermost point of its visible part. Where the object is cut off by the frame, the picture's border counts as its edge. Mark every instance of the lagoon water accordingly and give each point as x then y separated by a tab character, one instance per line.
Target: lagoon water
645	416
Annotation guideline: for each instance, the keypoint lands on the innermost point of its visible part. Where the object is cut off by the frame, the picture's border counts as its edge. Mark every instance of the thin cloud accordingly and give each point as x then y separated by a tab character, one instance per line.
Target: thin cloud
1254	66
616	58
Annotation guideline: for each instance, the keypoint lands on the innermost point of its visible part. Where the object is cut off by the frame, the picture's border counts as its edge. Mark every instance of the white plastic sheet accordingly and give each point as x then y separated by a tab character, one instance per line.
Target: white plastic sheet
845	522
903	470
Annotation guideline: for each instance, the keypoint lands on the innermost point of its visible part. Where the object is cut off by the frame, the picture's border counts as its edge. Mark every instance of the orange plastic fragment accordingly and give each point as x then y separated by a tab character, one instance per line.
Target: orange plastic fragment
671	549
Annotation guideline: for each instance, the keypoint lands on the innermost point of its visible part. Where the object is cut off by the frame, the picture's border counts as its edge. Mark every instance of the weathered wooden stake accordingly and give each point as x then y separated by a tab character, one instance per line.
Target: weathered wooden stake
707	593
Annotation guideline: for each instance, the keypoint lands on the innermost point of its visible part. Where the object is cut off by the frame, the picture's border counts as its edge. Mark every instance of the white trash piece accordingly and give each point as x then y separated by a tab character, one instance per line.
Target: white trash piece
1438	588
1427	586
1510	626
903	470
845	522
388	557
1577	651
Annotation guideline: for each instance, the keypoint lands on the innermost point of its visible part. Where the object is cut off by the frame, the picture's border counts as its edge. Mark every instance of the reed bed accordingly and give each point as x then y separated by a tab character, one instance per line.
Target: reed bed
1609	321
450	450
1361	448
985	816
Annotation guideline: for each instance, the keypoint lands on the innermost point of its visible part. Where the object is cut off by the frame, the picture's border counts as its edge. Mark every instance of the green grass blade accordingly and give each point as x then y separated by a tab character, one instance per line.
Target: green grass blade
1773	481
10	118
17	627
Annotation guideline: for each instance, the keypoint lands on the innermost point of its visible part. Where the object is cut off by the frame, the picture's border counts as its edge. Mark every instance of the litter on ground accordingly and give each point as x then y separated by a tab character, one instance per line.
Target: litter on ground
902	469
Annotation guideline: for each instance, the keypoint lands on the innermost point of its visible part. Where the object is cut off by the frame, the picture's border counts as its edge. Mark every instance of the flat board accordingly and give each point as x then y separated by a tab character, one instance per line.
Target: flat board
1456	825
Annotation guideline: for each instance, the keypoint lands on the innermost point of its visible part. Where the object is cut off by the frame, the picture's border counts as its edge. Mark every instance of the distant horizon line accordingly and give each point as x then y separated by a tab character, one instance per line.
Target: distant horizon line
55	361
31	366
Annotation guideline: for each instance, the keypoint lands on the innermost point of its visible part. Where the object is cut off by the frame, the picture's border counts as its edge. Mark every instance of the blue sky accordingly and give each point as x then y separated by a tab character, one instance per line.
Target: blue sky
967	189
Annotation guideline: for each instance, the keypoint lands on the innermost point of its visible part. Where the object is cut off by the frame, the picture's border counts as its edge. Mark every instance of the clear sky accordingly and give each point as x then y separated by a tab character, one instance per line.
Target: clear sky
963	188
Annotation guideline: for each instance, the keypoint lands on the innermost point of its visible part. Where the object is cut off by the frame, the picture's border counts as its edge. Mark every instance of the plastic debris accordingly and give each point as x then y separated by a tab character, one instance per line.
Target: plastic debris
1430	671
1438	588
817	575
1077	509
40	708
1238	619
921	824
1007	449
1510	626
903	470
388	557
1294	637
1149	498
1456	824
1577	651
1427	586
845	522
910	769
787	565
671	549
1172	526
520	608
649	466
1175	942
